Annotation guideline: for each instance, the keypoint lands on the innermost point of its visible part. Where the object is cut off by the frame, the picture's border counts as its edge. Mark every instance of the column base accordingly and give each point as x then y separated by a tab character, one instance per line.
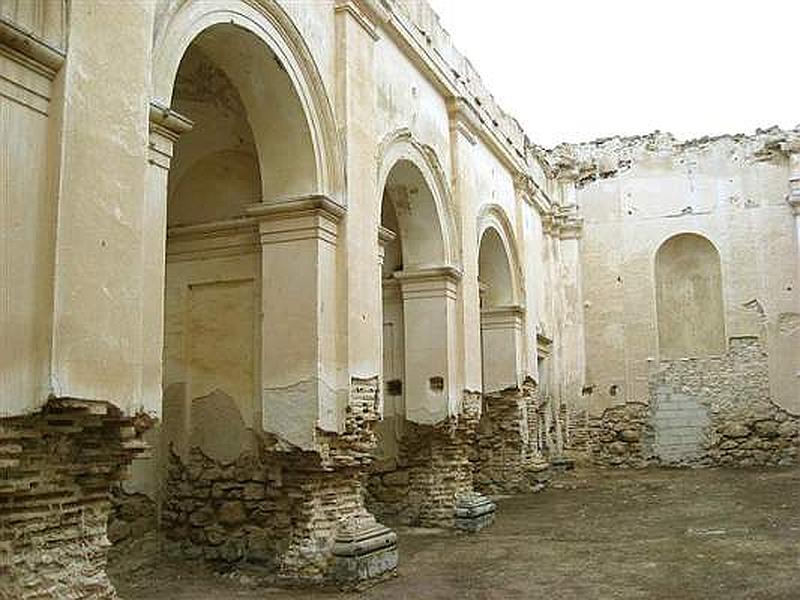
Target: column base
473	512
364	550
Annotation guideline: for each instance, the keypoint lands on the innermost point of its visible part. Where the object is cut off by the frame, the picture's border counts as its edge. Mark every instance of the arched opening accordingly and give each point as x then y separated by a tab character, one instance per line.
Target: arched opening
416	291
689	304
249	146
501	315
423	465
494	271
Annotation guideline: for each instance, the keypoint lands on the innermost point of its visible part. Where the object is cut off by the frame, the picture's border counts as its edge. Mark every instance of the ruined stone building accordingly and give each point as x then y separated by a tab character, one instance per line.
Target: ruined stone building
275	273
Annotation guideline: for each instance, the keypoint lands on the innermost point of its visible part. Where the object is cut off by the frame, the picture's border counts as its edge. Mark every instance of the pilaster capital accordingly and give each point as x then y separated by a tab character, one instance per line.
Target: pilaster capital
429	282
309	217
385	236
167	122
39	54
166	126
502	317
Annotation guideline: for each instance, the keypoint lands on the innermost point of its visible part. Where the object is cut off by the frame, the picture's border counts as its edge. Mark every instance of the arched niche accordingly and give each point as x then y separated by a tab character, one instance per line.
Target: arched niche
689	304
264	56
212	341
494	271
413	182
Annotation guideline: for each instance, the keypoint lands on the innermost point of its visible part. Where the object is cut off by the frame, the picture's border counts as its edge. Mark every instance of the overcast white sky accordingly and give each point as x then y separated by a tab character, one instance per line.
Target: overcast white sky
575	70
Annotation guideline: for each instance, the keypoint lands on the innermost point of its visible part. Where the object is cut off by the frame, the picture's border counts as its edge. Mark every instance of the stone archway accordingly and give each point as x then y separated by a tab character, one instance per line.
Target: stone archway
501	315
250	193
426	436
507	441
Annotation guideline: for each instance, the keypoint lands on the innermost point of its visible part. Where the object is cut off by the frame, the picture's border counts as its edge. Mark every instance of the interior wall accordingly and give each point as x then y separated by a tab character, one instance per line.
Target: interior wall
731	191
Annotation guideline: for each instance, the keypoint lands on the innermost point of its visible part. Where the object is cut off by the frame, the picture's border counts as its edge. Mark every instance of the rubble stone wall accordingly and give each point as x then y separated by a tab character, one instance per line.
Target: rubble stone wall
704	411
276	506
56	470
432	469
622	436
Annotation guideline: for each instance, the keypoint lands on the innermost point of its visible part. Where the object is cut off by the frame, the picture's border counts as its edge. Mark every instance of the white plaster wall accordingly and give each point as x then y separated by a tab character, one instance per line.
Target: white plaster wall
211	304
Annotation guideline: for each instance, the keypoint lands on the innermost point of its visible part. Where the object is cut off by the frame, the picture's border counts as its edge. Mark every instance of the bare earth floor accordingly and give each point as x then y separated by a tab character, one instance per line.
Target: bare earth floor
672	534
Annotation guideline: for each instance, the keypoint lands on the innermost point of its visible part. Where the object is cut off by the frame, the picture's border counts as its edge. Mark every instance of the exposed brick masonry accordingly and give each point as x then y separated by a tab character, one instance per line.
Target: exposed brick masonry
508	452
57	468
432	470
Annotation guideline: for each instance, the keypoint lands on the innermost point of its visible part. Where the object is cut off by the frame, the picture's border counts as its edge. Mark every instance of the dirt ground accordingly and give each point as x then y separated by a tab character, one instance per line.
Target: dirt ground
672	534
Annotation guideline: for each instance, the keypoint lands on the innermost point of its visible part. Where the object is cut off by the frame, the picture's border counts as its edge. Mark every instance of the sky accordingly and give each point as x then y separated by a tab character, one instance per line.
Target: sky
577	70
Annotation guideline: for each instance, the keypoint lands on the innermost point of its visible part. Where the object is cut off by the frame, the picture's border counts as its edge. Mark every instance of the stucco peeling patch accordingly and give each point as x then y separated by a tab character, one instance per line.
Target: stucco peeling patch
294	412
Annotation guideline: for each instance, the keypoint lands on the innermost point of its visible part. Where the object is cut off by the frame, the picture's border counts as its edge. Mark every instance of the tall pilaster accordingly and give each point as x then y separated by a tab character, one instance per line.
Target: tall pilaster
166	126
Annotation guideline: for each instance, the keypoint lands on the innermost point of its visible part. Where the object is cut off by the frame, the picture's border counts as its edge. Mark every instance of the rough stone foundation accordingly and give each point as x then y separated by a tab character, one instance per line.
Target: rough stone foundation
277	507
132	516
622	436
508	451
703	411
57	468
432	470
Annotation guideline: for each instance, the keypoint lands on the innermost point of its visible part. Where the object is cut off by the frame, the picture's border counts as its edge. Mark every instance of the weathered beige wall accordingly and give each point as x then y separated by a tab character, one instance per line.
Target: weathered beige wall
97	323
212	338
731	191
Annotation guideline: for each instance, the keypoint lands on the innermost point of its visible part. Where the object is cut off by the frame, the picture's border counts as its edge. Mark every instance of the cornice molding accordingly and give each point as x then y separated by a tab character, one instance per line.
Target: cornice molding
297	206
167	121
533	195
446	81
47	57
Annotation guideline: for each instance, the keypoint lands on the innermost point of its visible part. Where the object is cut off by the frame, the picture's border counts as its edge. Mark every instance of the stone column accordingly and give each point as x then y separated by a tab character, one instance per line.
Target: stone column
501	329
429	311
300	389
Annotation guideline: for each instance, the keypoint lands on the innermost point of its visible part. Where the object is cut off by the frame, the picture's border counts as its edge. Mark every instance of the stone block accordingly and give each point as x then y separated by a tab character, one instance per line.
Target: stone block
473	512
396	478
232	513
364	550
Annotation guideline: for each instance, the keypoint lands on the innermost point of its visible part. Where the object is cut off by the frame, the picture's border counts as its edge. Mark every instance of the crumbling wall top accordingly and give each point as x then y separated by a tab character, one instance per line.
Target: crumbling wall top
427	27
586	162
